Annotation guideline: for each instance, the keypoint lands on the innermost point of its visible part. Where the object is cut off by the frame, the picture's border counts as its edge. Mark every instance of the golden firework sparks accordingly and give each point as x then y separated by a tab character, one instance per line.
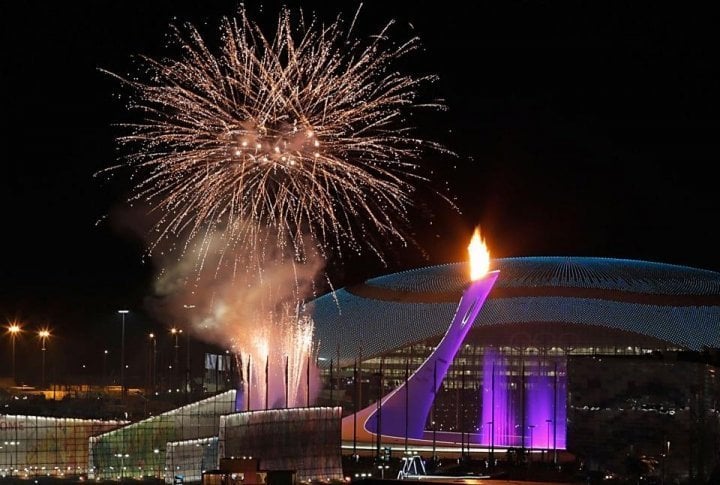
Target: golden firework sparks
304	133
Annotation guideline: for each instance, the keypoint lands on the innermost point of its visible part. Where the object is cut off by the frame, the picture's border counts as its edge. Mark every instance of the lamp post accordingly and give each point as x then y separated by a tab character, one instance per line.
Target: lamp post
13	329
43	334
531	427
104	369
665	455
122	353
153	366
548	421
187	356
176	332
491	426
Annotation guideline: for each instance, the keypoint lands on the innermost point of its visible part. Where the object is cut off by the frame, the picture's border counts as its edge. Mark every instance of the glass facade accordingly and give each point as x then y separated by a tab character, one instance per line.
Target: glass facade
32	446
303	440
189	459
140	450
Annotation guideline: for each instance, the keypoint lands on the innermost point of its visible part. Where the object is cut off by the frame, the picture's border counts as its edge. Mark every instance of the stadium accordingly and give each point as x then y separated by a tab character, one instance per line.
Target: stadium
567	353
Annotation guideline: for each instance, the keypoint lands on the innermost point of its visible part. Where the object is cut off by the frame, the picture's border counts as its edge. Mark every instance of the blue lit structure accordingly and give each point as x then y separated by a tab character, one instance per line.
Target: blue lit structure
677	305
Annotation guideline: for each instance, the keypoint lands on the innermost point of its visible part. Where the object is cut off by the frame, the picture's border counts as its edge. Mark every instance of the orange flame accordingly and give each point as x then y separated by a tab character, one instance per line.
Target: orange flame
479	256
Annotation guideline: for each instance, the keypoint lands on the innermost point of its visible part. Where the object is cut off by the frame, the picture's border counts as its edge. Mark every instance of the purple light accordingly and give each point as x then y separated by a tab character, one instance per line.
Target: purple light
544	403
498	411
538	402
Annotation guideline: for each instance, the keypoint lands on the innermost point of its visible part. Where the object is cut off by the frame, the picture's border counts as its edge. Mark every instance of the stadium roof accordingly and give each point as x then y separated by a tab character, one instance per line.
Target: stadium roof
676	304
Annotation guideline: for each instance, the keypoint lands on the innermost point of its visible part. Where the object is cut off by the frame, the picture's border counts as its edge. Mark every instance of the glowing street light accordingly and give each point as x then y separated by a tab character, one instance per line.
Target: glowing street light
176	332
14	329
104	370
122	353
153	366
43	334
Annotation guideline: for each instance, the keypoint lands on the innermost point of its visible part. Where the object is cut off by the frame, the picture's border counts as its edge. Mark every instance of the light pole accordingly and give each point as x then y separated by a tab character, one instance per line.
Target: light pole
548	421
176	332
531	427
153	366
104	370
13	329
665	455
122	353
43	334
491	461
187	355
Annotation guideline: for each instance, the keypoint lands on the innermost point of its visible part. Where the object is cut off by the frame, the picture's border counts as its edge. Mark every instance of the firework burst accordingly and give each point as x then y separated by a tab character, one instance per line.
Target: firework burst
304	133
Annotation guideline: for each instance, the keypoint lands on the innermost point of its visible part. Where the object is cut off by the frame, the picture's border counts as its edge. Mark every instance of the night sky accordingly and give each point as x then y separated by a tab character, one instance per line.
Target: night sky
581	128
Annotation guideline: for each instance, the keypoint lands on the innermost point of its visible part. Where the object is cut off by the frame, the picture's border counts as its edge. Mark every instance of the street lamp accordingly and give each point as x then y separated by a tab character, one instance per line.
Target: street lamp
122	353
548	421
13	330
176	332
43	334
104	372
153	365
187	356
531	427
491	461
665	454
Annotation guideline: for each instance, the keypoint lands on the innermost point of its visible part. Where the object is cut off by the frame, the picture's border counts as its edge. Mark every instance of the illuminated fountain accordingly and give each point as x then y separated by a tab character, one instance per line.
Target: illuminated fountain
499	426
545	404
529	411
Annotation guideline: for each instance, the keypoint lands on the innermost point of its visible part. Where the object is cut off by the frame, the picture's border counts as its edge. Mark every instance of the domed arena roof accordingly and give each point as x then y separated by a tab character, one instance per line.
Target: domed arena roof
676	304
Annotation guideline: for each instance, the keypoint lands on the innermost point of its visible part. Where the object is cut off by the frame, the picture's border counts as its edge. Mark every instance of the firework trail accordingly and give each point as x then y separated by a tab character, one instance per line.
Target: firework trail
303	133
